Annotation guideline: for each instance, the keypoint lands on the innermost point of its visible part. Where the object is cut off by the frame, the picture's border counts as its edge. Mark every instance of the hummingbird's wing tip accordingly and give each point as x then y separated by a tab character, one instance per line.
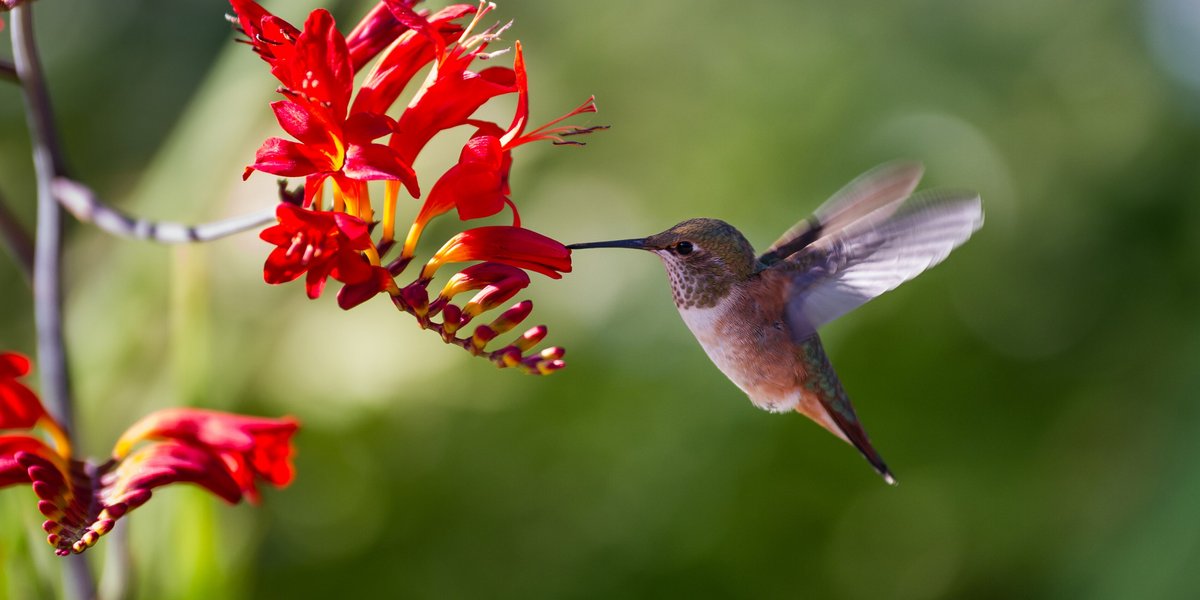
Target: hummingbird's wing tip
889	479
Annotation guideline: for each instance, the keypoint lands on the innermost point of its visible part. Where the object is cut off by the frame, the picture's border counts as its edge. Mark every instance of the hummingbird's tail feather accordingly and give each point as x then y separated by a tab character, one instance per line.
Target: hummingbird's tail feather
824	400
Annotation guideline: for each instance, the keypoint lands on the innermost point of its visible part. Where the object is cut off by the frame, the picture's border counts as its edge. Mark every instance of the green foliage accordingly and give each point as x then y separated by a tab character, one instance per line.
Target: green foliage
1036	394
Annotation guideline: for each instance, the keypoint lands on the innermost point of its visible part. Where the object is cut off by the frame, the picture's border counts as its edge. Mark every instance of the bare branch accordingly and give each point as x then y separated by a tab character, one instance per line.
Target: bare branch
82	202
47	262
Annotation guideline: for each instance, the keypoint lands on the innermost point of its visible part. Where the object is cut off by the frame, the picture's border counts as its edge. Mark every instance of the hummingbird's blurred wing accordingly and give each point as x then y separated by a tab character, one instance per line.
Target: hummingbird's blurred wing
877	193
843	270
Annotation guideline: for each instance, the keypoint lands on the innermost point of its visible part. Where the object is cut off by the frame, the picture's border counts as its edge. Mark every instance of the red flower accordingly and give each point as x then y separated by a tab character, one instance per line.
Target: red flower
224	453
271	37
317	75
424	41
522	248
477	186
333	132
515	136
251	447
374	33
19	407
453	94
322	244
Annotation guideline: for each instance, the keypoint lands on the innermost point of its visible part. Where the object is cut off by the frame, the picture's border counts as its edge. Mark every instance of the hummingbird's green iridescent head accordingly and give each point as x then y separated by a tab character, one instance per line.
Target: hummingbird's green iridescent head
703	257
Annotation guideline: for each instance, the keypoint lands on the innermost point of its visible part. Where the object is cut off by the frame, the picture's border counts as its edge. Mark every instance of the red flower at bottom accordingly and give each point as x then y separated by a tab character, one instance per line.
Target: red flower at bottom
251	447
221	452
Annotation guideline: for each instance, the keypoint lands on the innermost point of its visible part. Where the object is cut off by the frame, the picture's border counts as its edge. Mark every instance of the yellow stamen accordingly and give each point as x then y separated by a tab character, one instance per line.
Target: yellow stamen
391	191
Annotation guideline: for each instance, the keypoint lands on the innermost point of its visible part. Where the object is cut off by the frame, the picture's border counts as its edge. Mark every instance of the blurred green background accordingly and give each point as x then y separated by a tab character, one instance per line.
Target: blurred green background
1037	395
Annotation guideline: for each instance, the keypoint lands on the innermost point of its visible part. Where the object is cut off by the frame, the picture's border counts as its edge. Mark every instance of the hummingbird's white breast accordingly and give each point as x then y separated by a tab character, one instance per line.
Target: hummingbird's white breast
723	335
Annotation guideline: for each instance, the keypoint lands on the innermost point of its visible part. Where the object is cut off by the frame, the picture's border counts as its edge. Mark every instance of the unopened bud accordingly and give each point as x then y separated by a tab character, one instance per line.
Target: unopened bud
512	317
450	319
531	338
483	335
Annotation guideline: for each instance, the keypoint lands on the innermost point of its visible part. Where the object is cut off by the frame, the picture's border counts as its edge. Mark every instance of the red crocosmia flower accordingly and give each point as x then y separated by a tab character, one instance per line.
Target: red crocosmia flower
422	43
477	186
272	38
377	31
451	95
19	406
318	78
521	248
333	132
550	131
251	447
321	244
224	453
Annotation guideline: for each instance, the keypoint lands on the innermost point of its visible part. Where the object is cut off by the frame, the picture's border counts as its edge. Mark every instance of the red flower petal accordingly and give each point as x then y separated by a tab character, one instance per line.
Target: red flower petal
272	38
522	248
251	447
19	406
166	463
407	55
448	102
287	159
364	127
376	161
372	34
299	121
320	72
353	294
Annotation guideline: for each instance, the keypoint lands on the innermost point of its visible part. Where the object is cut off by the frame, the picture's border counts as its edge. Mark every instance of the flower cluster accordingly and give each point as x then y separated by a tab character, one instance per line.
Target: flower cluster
224	453
342	138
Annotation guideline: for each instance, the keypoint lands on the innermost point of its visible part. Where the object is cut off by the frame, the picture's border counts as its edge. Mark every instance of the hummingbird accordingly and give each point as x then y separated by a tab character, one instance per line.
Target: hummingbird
757	316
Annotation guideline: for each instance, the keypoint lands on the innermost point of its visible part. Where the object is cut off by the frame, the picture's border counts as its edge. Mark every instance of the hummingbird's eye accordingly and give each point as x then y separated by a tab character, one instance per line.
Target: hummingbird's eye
684	248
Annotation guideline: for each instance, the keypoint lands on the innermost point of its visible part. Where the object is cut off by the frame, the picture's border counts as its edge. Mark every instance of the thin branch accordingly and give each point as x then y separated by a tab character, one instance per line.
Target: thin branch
47	263
82	202
16	240
8	72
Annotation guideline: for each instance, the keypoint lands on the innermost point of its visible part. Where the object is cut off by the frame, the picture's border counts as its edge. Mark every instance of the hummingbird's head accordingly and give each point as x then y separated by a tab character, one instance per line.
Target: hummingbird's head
703	257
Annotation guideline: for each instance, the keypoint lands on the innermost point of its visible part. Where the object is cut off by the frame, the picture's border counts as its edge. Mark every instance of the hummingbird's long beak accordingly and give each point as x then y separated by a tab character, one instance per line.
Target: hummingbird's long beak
638	244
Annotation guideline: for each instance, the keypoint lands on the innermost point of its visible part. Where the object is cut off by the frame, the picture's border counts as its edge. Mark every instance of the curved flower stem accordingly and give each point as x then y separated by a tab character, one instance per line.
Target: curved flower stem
8	72
16	240
47	262
83	203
